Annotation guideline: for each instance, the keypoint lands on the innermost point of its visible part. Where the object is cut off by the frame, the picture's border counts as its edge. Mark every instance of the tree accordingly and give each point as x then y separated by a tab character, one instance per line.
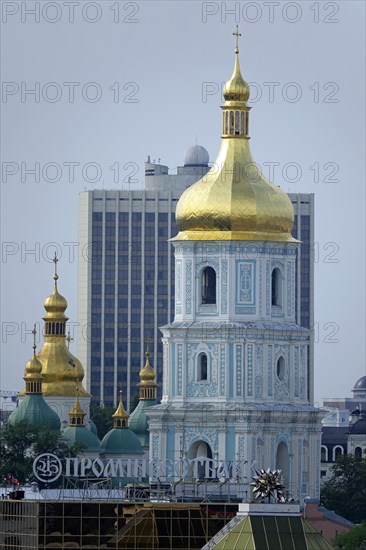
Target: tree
20	444
345	492
102	418
355	539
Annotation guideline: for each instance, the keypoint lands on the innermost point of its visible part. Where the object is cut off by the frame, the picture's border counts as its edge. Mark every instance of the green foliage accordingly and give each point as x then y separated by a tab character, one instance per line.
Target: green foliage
102	418
355	539
20	444
345	492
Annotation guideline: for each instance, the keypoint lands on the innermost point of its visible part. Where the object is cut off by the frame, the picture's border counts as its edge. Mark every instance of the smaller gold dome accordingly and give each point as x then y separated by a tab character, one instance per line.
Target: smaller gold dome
236	89
121	416
147	373
55	304
121	413
76	414
33	369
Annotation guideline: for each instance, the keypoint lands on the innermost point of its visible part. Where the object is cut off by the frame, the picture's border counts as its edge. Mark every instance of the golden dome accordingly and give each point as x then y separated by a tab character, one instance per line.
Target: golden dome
120	417
33	369
147	384
234	201
76	414
147	373
61	370
236	89
55	304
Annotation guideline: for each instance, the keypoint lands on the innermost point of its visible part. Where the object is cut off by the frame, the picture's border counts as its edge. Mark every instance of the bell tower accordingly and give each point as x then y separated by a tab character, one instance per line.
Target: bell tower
237	376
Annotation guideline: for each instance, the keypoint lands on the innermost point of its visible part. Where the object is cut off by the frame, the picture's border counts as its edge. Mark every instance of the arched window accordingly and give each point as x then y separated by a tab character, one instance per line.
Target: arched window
242	124
231	131
237	115
358	452
276	287
208	286
202	368
324	454
280	368
337	451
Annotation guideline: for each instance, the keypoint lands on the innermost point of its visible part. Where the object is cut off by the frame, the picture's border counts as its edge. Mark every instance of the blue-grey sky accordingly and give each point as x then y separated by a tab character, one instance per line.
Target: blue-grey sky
115	81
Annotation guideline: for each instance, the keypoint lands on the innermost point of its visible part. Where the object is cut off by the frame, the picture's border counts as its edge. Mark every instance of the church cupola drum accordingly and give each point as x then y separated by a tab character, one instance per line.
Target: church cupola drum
238	376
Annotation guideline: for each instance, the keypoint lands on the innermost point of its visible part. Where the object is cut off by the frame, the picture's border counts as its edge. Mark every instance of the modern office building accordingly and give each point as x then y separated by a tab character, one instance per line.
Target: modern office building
126	274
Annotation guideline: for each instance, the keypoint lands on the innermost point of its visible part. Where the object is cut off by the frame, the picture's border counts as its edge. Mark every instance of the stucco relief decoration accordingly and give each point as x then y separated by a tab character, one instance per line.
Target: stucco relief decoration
222	369
192	354
241	446
239	378
192	434
296	370
180	368
302	372
207	262
282	387
268	288
189	287
166	372
224	272
245	288
155	447
246	282
202	389
258	371
299	447
250	369
270	371
260	289
178	280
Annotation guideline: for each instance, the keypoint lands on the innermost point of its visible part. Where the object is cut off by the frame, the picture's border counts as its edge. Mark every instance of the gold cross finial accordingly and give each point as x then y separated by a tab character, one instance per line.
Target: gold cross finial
237	34
147	345
68	340
55	260
34	332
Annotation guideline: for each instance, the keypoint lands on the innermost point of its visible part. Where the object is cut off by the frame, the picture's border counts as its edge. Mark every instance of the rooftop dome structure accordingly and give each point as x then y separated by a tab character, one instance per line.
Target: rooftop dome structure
234	201
61	370
120	440
77	433
33	408
147	389
360	386
196	155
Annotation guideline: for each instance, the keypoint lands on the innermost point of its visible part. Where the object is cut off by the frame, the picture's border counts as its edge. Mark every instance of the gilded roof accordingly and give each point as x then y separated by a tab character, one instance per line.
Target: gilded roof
234	201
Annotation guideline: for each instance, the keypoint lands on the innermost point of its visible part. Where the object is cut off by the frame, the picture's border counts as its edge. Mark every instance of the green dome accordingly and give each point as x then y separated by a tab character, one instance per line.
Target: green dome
138	421
80	435
35	410
121	441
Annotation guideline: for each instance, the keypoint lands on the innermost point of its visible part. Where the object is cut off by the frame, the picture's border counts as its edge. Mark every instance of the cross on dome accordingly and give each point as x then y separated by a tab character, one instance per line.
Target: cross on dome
237	34
55	261
34	332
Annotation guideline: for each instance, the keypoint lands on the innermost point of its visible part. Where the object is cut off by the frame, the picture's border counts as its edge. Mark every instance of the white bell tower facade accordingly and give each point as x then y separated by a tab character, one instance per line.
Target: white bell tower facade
237	375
